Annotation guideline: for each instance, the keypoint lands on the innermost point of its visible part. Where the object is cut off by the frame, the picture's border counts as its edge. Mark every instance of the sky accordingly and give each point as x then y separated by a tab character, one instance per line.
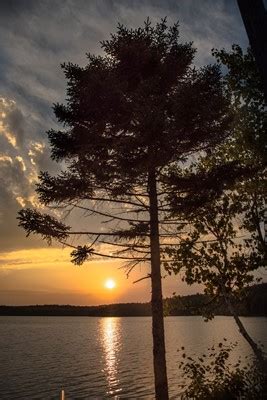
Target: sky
36	37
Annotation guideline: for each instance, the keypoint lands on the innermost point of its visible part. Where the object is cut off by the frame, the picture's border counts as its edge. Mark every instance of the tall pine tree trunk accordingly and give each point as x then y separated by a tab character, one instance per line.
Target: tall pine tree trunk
159	358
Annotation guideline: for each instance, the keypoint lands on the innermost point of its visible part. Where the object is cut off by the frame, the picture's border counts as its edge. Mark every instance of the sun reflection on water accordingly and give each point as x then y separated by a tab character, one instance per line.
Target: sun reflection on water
110	329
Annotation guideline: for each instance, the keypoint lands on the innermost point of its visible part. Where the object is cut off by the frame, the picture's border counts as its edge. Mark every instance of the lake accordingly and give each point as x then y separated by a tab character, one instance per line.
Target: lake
102	358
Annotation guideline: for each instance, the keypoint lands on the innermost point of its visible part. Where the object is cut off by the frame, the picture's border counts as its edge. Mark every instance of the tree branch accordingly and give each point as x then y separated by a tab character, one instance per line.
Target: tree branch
141	279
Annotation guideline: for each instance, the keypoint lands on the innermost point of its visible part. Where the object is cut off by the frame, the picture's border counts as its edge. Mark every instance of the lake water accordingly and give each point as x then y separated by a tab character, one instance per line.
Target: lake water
102	358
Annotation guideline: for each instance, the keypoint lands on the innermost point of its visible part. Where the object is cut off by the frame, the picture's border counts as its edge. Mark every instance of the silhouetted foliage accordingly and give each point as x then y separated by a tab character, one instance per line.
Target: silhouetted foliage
225	243
252	302
212	377
243	85
45	225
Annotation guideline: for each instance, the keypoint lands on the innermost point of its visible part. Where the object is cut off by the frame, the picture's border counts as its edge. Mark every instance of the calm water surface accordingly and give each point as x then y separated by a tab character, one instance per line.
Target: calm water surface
102	358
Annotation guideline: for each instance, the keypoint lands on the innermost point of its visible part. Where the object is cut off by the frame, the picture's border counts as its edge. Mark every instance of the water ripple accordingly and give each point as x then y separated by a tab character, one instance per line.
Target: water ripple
100	358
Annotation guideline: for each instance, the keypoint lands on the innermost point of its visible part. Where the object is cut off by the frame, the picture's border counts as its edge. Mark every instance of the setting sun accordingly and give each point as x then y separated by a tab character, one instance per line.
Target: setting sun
110	284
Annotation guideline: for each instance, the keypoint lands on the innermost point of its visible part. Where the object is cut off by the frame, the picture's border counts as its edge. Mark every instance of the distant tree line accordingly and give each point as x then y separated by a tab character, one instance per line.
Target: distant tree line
110	310
254	303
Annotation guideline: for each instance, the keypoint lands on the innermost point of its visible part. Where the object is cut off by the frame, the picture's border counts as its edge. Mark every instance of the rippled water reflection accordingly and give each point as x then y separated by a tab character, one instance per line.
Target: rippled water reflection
101	358
110	337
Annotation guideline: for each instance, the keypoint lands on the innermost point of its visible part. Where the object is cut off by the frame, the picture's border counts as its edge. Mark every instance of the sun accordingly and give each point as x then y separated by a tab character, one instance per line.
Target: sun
110	284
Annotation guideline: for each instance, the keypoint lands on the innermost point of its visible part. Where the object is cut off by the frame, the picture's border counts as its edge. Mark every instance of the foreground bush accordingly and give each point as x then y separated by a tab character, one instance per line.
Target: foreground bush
212	377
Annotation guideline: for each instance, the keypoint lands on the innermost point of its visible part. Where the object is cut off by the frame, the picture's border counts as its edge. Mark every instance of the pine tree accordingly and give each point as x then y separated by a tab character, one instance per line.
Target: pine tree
131	115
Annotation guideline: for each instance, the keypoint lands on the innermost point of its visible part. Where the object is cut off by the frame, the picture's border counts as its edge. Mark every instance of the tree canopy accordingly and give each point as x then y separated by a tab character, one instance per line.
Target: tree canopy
133	118
224	243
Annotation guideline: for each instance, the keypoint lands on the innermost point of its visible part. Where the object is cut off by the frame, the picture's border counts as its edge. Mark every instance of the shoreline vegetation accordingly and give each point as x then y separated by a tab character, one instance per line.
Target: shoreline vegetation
254	303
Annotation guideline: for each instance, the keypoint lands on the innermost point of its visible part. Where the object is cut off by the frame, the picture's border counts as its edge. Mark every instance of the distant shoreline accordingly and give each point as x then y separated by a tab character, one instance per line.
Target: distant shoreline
254	304
111	310
40	311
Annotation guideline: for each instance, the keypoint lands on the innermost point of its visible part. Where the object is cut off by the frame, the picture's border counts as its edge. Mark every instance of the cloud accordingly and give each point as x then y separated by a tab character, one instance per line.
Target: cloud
21	158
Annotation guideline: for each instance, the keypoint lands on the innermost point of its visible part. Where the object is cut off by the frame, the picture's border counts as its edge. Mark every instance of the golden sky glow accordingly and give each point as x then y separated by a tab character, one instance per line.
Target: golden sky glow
46	276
